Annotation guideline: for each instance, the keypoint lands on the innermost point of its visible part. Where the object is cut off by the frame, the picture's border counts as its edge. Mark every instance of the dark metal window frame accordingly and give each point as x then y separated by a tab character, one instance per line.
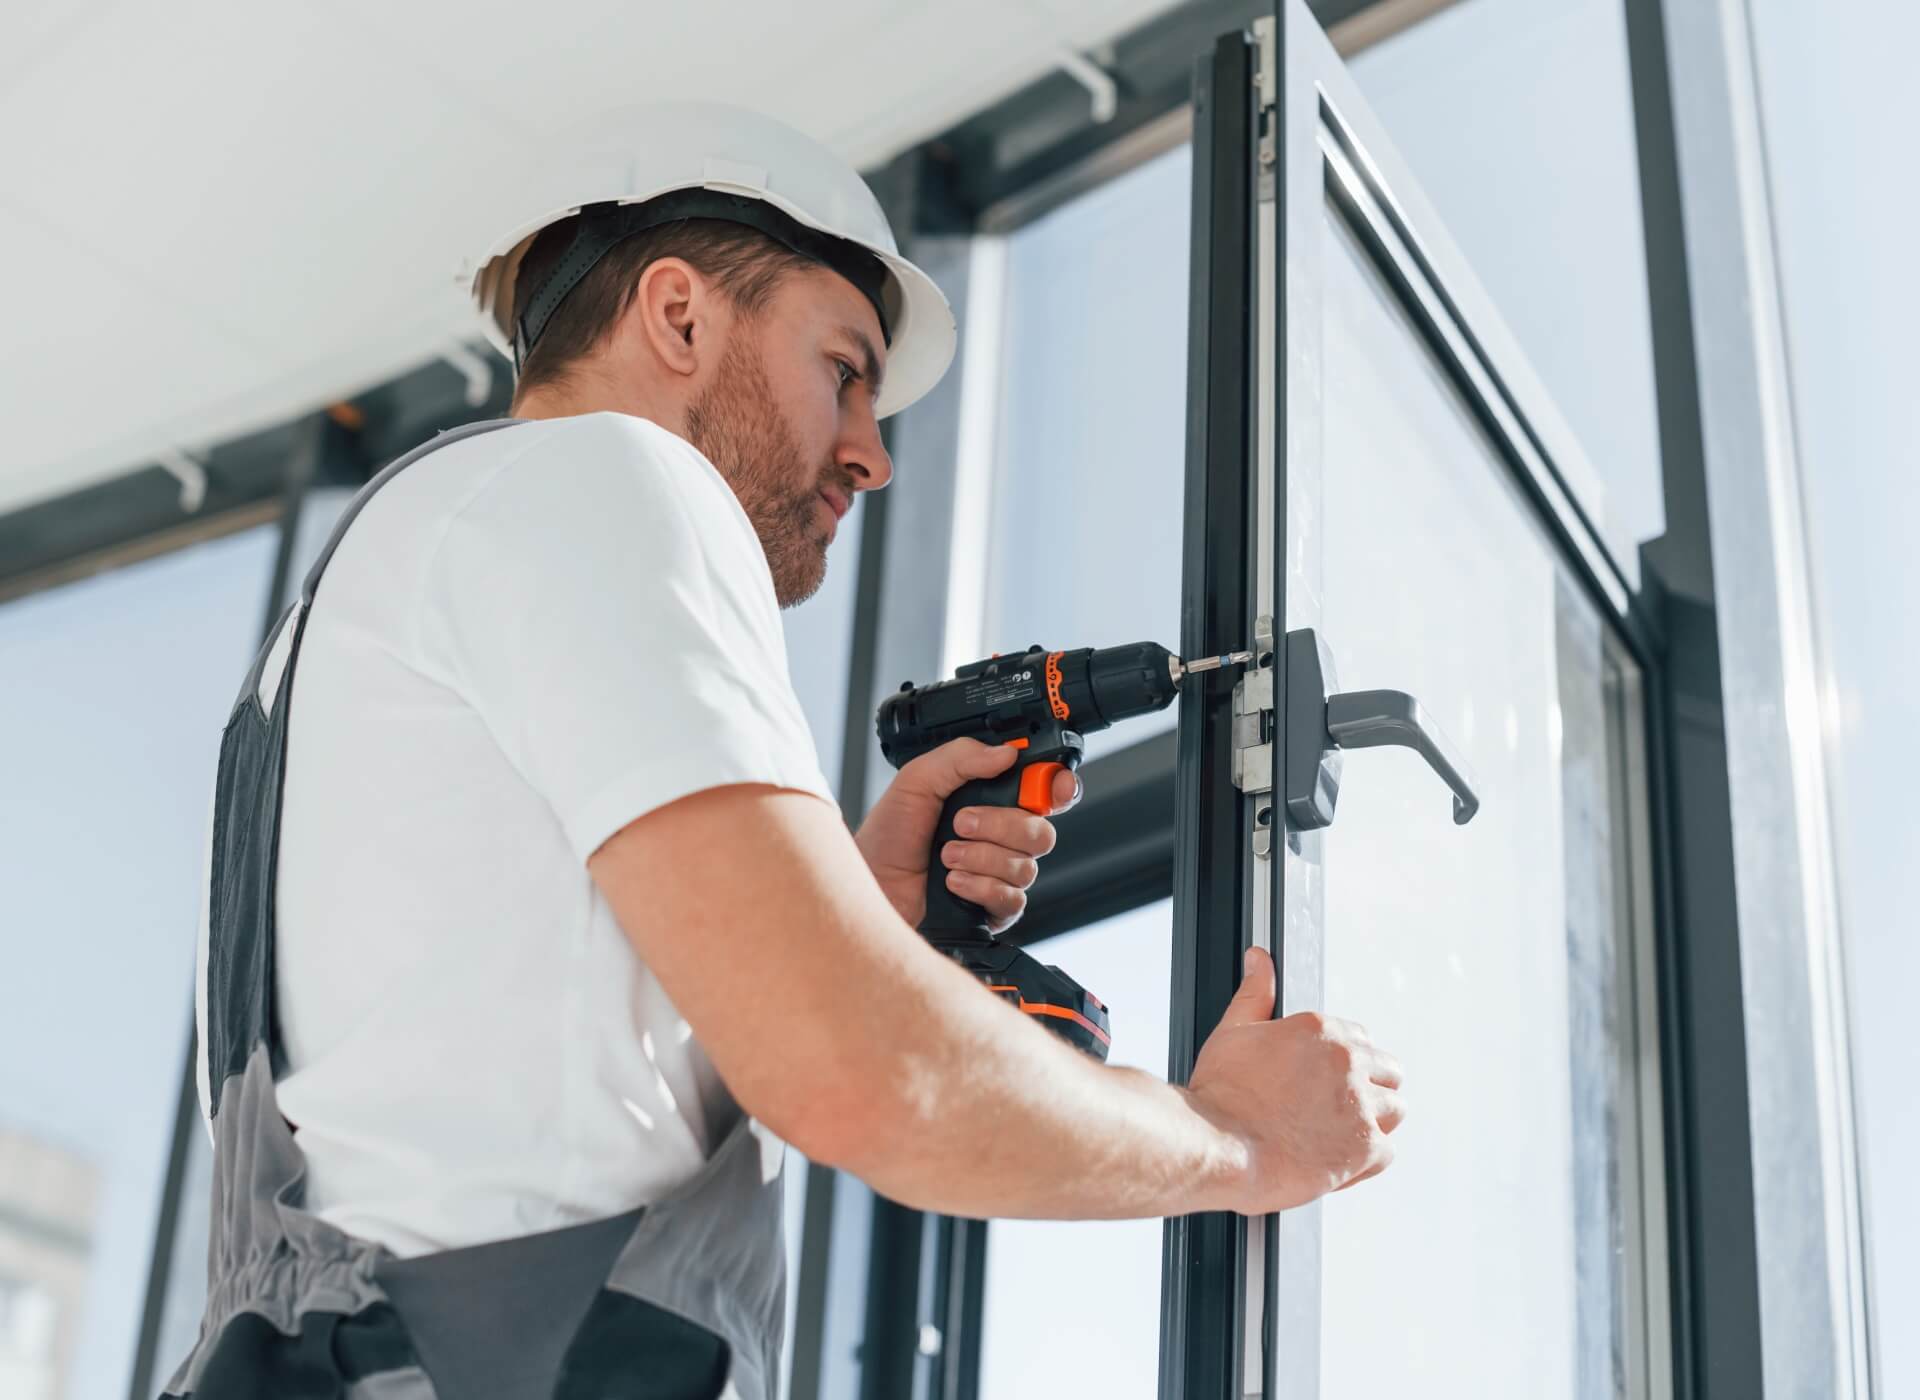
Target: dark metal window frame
1331	162
1755	1311
1204	1256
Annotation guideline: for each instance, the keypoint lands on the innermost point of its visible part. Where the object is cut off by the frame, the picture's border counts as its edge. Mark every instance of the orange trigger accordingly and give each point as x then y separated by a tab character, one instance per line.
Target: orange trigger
1036	788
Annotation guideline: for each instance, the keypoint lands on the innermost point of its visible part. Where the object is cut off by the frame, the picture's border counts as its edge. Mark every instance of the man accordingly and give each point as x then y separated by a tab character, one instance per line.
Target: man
534	930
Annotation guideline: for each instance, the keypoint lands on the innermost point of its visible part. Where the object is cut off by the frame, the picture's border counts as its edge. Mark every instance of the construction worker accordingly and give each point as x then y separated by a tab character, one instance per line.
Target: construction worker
534	932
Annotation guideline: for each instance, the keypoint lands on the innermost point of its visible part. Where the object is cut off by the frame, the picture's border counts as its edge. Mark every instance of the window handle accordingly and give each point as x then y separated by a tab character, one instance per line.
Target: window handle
1367	719
1320	726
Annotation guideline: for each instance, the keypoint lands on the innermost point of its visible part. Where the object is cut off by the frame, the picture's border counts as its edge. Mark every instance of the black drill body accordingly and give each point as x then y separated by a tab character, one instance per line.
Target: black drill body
1034	695
1042	702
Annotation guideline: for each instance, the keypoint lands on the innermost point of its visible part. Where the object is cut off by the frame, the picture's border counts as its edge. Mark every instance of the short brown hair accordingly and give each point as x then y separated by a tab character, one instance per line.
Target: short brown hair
743	262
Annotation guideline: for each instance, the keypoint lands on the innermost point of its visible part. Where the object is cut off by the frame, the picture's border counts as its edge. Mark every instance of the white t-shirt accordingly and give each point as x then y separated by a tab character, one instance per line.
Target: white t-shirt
527	639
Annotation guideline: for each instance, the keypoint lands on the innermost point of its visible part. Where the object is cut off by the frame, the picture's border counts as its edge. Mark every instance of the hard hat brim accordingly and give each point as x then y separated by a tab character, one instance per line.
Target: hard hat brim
924	335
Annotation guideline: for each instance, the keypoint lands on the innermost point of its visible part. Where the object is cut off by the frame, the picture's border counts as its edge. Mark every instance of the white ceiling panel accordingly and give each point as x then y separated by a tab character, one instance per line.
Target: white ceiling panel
72	377
237	211
283	198
36	29
540	76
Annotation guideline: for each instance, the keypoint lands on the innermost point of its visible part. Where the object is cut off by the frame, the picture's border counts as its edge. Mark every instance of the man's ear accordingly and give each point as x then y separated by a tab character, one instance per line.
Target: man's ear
669	315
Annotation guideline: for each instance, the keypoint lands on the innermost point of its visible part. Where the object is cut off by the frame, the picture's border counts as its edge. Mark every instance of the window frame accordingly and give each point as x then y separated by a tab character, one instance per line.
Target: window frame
1322	156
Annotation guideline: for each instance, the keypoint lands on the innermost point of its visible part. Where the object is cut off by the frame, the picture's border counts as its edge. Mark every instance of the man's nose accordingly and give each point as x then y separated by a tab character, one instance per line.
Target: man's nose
864	453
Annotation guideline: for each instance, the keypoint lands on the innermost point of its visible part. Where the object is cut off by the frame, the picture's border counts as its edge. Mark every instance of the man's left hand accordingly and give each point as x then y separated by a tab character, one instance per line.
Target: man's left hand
994	861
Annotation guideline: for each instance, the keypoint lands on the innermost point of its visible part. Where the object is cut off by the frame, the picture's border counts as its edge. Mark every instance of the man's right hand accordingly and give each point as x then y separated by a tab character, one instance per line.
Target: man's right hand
1310	1095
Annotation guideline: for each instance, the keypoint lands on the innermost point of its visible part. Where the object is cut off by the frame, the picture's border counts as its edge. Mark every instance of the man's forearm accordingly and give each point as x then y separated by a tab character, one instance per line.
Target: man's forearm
991	1116
835	1024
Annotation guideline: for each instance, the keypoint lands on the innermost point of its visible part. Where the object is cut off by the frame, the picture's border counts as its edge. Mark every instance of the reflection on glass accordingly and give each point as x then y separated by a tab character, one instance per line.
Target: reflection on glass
47	1206
1073	1307
1085	545
1499	1256
793	1182
115	690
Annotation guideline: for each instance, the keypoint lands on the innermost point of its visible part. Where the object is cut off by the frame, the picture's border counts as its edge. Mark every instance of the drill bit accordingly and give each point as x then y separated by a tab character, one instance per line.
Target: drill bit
1182	669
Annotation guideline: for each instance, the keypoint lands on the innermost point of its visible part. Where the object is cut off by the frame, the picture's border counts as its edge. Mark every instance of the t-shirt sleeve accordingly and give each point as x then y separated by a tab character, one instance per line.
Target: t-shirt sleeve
602	604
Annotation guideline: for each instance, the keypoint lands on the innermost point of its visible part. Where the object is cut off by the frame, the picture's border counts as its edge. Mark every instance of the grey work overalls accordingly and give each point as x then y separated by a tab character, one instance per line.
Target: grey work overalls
682	1298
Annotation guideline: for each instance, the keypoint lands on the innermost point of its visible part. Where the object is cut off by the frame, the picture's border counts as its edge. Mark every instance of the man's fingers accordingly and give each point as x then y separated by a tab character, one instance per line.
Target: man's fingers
939	771
972	759
1012	827
1388	1108
1340	1028
1380	1164
1252	1002
1002	902
995	862
1388	1111
1383	1069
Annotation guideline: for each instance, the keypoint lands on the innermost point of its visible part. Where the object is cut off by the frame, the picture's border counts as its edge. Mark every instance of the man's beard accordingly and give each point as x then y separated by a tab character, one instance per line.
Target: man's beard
734	422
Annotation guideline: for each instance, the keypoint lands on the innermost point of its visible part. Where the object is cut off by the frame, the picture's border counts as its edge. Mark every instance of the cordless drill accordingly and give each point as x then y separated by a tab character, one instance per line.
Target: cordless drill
1040	702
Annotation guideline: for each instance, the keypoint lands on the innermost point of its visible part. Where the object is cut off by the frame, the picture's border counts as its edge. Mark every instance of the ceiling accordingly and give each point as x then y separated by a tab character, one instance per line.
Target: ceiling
218	214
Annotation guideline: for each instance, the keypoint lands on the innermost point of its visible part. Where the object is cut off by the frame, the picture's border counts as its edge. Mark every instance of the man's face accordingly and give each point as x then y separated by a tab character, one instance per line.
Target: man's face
788	420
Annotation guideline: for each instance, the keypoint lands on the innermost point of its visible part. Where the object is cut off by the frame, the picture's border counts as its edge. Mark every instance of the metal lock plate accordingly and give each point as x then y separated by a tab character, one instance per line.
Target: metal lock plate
1253	716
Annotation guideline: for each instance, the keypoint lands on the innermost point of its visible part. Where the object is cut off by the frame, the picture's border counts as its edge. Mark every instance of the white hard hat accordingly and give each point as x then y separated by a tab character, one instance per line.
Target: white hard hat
716	161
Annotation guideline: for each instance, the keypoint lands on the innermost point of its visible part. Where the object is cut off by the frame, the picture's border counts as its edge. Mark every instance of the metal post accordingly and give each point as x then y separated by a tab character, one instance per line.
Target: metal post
1205	1255
1770	1277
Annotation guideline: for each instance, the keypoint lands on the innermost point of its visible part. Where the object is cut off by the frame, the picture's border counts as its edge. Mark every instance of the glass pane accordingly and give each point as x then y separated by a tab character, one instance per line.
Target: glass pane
1085	546
1106	1304
1516	117
1839	107
1500	1253
113	692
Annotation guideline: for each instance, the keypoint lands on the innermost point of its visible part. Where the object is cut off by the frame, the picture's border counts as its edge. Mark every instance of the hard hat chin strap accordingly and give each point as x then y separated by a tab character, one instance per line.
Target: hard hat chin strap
598	227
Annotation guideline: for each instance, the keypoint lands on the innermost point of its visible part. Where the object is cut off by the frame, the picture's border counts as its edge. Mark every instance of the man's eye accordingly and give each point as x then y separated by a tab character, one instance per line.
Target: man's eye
847	373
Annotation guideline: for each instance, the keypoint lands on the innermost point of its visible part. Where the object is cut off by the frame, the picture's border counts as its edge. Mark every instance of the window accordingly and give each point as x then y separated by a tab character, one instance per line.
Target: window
113	696
1084	550
1085	545
1506	1252
1094	1285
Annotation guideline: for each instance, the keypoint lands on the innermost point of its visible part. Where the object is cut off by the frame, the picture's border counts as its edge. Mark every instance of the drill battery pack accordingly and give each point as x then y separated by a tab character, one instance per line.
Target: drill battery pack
1038	989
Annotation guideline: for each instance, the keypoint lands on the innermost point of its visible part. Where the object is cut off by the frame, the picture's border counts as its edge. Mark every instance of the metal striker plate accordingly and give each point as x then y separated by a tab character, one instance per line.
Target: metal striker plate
1253	731
1252	705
